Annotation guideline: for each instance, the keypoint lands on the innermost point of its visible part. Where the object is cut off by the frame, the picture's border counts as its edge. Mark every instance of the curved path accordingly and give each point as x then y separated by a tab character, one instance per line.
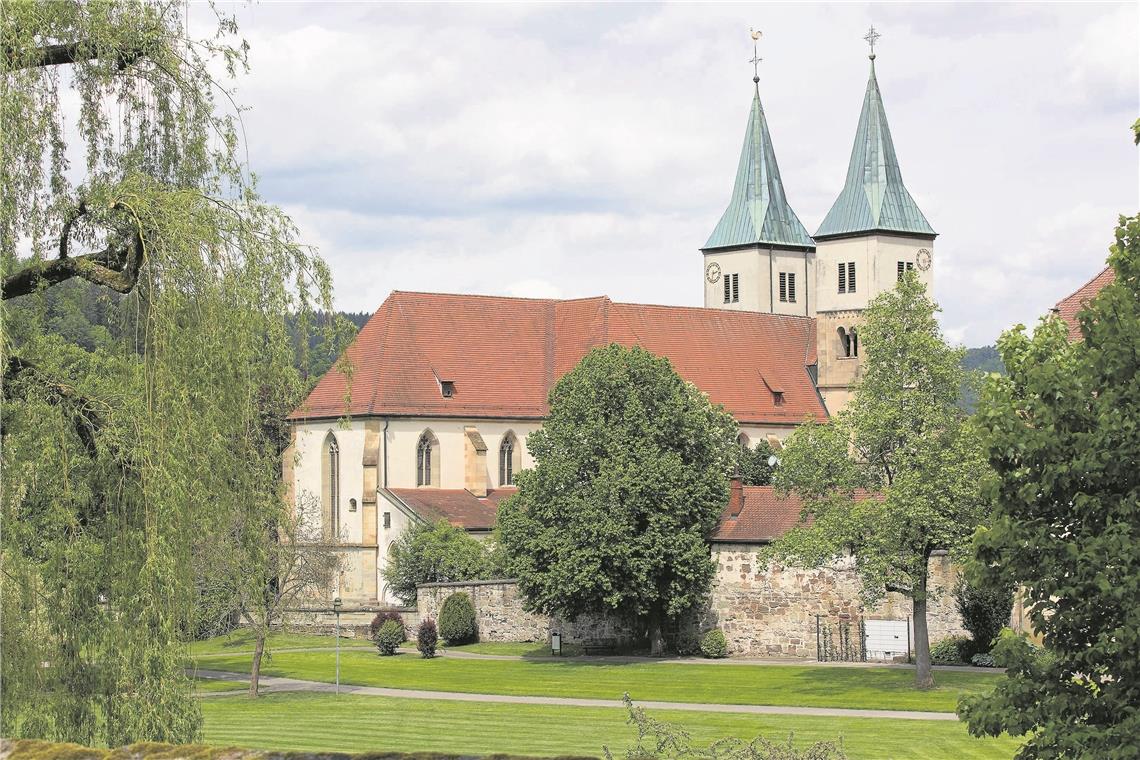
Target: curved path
275	684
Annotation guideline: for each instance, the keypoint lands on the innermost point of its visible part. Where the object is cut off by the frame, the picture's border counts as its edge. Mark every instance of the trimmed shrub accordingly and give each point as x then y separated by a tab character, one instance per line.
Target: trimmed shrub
389	637
714	645
951	650
983	660
457	619
382	617
427	638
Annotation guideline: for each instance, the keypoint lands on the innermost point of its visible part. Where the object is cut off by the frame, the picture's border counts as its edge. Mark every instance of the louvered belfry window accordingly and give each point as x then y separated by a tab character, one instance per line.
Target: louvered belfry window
842	277
783	286
850	276
792	287
735	288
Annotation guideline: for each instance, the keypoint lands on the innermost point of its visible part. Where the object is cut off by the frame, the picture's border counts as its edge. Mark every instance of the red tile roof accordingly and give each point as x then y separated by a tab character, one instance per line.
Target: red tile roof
1068	308
458	507
764	517
504	355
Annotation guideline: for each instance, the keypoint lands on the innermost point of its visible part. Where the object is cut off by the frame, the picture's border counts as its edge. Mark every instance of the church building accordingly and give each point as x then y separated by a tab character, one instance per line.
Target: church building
432	422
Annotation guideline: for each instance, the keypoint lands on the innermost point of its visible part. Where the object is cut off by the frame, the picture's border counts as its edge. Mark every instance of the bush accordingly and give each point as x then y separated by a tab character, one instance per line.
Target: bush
983	660
457	619
382	617
389	637
714	645
427	638
439	553
688	643
985	611
951	650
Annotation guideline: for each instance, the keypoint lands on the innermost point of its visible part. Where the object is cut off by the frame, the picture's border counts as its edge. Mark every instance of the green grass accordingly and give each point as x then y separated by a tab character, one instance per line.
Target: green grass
515	648
356	724
241	641
213	685
804	685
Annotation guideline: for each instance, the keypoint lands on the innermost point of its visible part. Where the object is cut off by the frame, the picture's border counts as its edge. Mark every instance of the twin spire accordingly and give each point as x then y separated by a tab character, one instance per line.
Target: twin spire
873	198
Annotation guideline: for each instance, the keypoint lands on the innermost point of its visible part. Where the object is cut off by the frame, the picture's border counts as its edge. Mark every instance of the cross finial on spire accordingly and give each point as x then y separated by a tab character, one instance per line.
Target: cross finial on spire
872	37
755	61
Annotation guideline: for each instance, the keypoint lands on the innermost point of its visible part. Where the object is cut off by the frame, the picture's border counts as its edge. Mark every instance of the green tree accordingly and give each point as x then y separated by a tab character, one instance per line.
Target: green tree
753	464
1063	434
630	479
436	553
904	439
127	451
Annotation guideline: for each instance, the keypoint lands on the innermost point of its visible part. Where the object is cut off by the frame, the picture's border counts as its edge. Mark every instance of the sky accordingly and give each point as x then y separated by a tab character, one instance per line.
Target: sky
577	150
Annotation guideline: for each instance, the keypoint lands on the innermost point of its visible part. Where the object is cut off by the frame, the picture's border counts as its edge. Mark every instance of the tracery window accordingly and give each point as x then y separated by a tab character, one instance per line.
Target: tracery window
510	458
427	460
330	487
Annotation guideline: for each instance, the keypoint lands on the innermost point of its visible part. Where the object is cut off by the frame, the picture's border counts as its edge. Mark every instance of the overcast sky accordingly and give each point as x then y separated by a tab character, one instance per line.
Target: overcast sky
578	150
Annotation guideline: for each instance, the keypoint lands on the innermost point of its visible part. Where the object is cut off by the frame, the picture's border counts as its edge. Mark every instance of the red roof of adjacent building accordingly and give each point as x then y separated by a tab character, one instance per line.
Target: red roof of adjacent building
1068	308
457	506
503	356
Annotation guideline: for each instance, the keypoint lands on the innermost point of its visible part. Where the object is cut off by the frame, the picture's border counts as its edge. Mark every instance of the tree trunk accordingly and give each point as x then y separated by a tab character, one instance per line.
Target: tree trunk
255	668
923	675
656	638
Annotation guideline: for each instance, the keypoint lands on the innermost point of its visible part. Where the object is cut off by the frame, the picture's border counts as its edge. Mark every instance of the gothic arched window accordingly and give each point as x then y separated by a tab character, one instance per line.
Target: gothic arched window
510	459
427	460
330	487
844	343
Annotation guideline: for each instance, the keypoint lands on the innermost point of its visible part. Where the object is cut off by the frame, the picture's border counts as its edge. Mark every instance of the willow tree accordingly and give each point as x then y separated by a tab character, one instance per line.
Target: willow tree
121	171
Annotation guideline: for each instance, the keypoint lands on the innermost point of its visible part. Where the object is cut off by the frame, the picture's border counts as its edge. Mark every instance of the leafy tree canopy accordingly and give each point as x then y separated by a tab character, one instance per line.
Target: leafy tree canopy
902	439
630	479
436	553
1063	434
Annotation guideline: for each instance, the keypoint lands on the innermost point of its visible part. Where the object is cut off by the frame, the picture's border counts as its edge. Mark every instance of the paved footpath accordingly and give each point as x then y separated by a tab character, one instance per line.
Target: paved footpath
274	684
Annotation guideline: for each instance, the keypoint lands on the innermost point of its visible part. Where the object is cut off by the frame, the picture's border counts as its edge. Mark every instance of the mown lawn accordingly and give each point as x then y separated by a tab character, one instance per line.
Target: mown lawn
241	642
351	723
212	685
515	648
803	685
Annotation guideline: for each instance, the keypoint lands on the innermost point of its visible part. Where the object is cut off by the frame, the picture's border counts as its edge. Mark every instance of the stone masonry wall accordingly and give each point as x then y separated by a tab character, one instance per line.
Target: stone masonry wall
500	615
767	610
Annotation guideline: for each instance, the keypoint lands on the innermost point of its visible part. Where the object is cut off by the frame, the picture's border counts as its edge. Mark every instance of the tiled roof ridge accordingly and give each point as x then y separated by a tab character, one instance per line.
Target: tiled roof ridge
1089	282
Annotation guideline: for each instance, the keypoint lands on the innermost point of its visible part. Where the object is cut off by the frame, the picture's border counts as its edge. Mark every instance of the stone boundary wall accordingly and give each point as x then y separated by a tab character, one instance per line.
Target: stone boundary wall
500	616
764	609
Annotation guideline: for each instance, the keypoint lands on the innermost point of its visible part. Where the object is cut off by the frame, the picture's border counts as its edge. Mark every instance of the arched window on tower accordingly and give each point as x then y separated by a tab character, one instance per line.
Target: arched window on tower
854	342
330	487
844	343
427	460
510	459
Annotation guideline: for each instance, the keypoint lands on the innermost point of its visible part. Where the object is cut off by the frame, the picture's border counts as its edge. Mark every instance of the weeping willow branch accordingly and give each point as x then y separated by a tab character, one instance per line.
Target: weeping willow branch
80	410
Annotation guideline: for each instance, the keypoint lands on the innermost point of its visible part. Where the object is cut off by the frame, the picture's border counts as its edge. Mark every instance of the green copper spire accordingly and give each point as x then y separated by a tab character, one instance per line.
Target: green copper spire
874	197
758	212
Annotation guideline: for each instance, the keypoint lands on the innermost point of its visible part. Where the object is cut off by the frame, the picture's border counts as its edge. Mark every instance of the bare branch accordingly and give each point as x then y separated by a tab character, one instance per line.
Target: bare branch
114	268
66	54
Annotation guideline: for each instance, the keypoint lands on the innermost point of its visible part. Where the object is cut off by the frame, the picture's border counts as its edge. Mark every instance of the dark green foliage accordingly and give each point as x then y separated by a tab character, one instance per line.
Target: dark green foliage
382	617
753	465
714	645
1063	433
952	650
985	611
657	740
457	620
389	637
983	660
426	638
687	643
630	479
439	553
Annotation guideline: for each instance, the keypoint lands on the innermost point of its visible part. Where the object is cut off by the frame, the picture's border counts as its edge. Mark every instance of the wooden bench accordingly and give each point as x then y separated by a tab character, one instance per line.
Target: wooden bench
600	646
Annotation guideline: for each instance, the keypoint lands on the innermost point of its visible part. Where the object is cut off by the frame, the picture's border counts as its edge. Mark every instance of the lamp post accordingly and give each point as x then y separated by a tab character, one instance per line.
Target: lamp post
336	609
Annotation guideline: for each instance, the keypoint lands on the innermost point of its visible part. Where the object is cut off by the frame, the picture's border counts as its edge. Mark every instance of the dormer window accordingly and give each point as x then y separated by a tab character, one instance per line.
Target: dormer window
778	398
447	388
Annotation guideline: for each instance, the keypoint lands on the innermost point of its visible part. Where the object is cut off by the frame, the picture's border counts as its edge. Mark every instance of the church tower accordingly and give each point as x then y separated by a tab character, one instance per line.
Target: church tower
759	256
873	234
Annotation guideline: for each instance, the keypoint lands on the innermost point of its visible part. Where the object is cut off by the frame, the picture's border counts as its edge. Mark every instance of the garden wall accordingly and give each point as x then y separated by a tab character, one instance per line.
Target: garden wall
765	610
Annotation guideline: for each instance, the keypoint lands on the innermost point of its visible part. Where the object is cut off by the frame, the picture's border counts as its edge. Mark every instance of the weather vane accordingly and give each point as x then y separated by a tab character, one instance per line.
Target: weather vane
755	61
872	37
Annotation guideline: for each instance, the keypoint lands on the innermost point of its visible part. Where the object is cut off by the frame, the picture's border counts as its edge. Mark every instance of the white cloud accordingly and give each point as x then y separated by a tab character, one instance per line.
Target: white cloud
581	150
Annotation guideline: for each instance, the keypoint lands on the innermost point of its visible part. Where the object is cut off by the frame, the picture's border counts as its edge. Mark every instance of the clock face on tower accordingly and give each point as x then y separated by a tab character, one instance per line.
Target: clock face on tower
712	272
923	259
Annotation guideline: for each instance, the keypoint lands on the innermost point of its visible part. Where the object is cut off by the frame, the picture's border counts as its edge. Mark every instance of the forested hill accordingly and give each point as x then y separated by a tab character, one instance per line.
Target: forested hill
982	360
